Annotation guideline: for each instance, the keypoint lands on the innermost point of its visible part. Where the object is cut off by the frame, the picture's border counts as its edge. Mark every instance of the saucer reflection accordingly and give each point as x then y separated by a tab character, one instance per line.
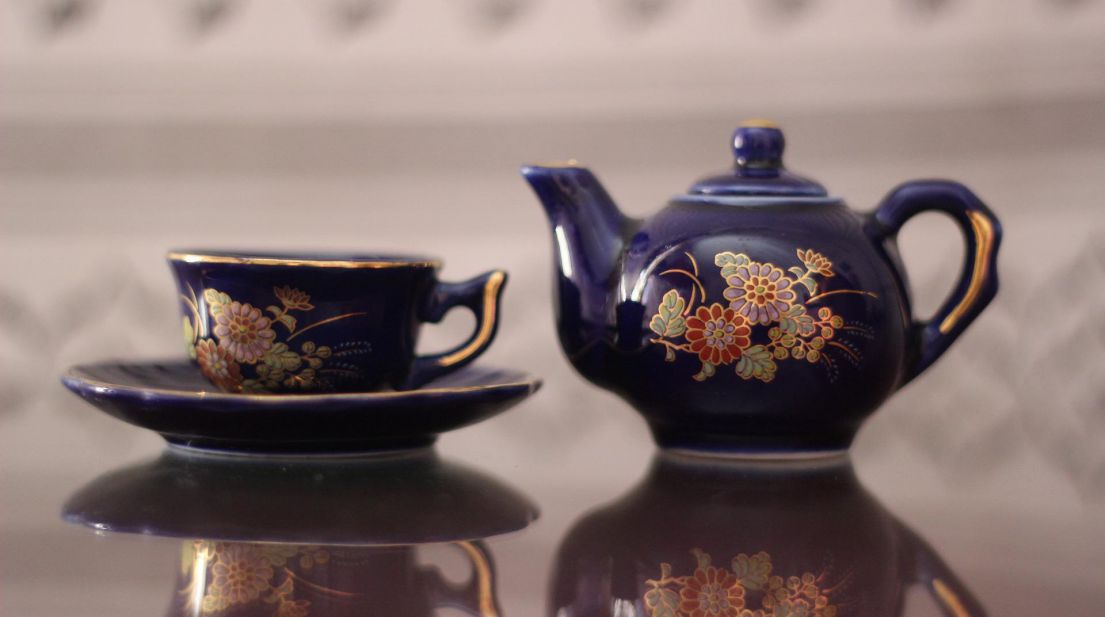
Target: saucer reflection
309	537
715	538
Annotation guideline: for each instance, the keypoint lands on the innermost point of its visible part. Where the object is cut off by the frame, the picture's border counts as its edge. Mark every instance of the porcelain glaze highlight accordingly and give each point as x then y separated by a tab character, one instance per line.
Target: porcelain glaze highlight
790	311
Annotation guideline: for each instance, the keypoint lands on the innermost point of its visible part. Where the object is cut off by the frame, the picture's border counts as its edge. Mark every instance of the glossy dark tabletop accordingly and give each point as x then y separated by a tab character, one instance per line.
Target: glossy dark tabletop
458	527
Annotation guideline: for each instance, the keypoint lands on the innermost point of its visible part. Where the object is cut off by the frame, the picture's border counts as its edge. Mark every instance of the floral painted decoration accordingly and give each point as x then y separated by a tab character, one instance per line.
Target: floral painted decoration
245	352
747	589
238	573
757	297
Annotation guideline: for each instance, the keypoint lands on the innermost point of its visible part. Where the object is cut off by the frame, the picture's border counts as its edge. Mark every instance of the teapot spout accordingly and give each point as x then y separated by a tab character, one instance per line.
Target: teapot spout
589	236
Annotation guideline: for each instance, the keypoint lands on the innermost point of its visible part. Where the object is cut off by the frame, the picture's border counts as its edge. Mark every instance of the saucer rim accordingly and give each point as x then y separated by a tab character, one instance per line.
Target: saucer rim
77	378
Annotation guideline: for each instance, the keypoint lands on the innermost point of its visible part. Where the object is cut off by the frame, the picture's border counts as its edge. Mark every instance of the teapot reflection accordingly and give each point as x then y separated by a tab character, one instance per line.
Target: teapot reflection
311	537
724	538
287	580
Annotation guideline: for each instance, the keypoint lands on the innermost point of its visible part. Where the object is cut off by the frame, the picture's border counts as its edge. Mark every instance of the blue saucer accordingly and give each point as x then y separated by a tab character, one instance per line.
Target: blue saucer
175	400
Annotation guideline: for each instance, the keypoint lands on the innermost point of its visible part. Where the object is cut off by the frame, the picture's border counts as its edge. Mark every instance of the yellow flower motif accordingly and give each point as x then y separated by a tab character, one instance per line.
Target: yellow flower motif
239	575
816	262
293	299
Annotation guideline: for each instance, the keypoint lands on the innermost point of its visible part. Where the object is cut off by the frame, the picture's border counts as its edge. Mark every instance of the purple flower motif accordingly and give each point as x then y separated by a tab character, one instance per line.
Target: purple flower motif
243	331
760	292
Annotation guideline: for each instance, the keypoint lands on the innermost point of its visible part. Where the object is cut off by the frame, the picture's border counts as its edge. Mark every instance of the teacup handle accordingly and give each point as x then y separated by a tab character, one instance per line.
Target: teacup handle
978	281
924	567
481	295
477	596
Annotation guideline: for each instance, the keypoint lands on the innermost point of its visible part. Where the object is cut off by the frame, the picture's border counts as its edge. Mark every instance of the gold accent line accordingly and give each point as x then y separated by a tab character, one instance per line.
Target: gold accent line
490	300
324	322
568	164
483	575
949	599
841	291
330	591
759	123
317	263
984	241
288	399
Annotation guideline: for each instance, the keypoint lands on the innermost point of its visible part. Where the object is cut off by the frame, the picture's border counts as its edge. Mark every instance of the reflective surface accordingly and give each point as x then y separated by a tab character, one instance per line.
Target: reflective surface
427	533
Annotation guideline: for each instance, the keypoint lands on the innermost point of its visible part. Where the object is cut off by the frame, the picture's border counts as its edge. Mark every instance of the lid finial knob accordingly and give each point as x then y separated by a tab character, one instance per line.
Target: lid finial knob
758	148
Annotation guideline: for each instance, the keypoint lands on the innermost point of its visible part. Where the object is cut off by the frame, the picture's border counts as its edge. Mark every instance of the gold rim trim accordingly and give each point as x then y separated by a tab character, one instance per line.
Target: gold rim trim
201	258
568	164
485	592
759	123
949	599
280	399
983	230
487	325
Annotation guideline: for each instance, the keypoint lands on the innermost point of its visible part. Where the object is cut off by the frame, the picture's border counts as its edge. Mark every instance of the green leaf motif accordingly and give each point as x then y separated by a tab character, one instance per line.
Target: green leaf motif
702	557
669	320
796	322
810	284
753	571
707	372
189	338
730	262
216	300
796	271
669	354
662	602
756	363
288	321
658	325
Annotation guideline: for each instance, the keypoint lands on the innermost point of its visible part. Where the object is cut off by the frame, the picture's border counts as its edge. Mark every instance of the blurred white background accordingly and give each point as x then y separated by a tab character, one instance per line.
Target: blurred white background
128	127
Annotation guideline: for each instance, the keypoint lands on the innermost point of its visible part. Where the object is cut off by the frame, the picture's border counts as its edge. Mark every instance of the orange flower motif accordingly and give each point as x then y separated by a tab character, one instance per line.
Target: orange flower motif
293	299
711	592
717	334
816	262
218	365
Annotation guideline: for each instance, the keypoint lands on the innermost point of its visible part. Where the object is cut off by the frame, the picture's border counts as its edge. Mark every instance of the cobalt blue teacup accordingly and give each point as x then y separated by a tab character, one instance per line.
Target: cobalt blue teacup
318	322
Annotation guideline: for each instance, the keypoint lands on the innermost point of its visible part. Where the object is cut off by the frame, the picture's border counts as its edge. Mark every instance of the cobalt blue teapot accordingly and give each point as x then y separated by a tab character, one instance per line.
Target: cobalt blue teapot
754	314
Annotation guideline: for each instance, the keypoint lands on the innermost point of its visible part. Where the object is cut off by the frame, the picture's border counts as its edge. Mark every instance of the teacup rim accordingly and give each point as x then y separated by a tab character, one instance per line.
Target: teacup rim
317	259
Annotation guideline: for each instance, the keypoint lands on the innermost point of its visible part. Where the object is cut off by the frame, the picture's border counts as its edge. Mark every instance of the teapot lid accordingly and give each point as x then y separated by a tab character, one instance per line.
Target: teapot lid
758	167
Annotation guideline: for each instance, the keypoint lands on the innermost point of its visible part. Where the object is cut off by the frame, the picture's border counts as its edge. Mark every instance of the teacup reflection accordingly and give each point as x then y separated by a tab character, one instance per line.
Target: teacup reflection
310	537
287	580
716	538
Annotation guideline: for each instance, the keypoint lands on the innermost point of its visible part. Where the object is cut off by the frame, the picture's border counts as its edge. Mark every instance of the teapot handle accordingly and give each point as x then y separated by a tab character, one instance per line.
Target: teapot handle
477	596
978	281
924	567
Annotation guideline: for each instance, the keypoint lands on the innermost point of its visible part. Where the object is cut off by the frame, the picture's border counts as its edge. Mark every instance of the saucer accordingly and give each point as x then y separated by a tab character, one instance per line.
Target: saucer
406	498
175	400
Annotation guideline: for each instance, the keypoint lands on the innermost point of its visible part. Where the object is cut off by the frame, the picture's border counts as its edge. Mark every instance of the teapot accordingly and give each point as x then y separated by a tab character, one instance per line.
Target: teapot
753	314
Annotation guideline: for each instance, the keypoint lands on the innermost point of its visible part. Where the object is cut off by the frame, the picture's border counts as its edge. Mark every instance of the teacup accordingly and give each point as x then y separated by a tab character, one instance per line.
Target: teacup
278	323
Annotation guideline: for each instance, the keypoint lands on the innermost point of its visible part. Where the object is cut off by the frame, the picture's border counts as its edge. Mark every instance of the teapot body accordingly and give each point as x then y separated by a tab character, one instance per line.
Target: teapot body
754	314
759	328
